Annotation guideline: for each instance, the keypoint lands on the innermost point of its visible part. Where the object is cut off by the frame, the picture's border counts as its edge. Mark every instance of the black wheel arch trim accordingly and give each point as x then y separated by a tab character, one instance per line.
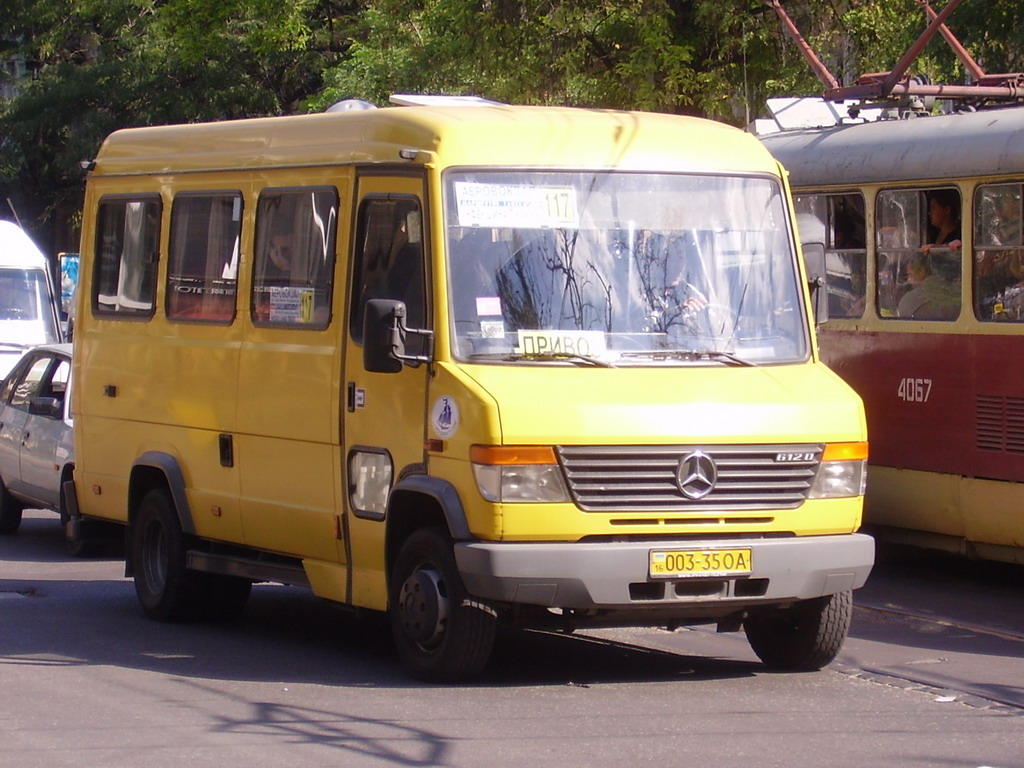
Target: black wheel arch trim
446	496
168	465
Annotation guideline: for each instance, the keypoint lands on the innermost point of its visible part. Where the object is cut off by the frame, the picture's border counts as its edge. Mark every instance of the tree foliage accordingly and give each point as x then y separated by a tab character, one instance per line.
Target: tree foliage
99	65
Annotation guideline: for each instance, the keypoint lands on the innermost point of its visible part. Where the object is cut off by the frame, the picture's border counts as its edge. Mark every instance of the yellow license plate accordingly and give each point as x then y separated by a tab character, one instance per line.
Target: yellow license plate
700	562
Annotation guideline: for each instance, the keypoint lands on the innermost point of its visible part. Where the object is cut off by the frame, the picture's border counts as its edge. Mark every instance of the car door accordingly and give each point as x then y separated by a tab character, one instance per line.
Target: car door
385	414
24	383
45	434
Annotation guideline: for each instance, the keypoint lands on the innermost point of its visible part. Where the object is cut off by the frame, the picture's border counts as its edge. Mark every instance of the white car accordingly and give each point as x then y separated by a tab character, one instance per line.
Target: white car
37	453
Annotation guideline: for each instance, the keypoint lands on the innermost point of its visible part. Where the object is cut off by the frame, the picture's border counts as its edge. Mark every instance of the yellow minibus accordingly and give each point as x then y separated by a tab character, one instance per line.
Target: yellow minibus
469	366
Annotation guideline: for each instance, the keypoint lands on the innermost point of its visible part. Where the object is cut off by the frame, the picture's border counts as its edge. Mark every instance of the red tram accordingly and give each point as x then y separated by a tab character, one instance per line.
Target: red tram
921	223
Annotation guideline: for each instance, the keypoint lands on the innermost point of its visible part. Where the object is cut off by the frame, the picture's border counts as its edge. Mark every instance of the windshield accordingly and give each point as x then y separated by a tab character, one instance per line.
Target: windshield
621	268
27	315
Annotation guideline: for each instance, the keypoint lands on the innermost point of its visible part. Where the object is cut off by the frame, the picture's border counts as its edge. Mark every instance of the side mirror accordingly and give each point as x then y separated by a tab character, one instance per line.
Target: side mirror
384	333
50	407
814	263
383	339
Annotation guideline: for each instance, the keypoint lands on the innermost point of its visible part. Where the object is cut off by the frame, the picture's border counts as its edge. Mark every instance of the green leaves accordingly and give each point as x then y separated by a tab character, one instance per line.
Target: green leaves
104	64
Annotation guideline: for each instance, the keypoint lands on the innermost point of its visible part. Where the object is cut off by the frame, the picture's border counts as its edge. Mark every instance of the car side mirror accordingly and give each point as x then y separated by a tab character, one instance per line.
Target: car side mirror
50	407
814	263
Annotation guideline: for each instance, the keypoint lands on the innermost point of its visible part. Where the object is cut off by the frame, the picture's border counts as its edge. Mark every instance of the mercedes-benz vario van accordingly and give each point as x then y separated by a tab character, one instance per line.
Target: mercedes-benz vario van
469	366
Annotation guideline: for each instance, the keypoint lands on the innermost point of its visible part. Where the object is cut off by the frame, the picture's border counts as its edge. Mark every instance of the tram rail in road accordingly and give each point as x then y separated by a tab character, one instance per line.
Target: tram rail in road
950	626
928	675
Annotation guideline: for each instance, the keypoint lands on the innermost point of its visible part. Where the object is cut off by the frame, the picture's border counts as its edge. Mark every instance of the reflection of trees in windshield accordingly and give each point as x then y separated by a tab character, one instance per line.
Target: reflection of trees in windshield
652	262
640	282
550	284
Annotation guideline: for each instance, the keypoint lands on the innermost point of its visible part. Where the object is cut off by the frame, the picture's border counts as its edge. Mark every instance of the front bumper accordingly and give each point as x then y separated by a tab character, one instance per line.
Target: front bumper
614	576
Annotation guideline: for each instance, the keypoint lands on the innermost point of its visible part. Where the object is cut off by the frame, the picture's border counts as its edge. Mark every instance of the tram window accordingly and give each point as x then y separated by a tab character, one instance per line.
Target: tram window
203	264
838	222
293	272
918	240
998	253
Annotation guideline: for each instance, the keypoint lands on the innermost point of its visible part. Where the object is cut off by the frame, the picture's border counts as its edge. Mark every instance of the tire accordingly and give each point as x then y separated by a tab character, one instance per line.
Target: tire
166	589
87	543
10	512
84	539
441	635
804	637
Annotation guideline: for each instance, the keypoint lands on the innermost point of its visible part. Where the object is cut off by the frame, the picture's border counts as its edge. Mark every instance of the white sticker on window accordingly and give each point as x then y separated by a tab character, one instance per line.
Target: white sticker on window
511	205
488	306
590	343
291	305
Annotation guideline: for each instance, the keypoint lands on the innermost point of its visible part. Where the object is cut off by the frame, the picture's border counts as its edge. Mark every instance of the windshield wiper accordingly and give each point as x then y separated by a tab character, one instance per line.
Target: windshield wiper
568	357
714	355
13	345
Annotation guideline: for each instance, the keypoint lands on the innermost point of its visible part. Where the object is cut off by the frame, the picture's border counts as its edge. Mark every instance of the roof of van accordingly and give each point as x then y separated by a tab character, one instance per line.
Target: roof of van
452	135
17	248
973	144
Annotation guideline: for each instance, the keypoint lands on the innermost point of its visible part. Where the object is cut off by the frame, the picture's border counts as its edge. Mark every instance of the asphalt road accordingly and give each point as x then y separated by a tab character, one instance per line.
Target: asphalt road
86	680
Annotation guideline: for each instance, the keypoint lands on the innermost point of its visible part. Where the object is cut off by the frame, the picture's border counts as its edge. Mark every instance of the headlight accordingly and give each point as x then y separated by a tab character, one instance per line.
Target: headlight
843	471
518	474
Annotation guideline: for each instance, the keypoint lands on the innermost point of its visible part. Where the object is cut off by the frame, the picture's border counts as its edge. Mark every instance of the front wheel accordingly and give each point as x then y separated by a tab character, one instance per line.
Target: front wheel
803	637
441	635
166	589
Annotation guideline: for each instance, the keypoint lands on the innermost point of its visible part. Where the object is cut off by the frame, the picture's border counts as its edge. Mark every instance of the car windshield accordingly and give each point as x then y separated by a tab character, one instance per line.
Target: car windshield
26	316
616	268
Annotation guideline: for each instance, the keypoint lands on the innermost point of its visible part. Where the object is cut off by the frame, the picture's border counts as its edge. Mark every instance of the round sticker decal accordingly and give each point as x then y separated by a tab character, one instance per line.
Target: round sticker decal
444	417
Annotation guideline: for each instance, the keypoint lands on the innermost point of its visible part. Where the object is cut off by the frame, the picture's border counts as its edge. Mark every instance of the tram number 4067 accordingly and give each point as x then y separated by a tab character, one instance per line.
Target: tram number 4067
914	390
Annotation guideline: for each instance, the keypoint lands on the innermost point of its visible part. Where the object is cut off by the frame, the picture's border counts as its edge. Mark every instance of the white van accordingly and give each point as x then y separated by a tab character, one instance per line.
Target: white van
28	311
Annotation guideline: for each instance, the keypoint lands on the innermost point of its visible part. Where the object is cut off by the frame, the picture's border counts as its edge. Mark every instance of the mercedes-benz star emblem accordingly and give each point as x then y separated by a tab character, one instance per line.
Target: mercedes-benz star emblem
696	475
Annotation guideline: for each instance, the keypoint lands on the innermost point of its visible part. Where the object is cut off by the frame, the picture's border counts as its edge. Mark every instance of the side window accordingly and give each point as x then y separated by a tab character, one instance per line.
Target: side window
998	253
293	271
31	384
918	240
59	378
127	251
202	269
389	262
837	221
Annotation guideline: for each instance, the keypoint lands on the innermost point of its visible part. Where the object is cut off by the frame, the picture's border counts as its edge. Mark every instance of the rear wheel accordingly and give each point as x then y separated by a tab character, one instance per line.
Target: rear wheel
10	512
804	637
166	589
441	634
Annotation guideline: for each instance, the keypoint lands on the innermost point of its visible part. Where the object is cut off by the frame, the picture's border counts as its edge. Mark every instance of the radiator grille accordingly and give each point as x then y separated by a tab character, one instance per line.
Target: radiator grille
645	478
1000	423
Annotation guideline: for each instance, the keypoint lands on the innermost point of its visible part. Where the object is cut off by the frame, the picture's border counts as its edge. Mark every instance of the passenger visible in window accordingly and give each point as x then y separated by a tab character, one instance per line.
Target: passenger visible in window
943	220
279	265
1007	221
848	232
999	270
846	285
1009	302
684	262
929	297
